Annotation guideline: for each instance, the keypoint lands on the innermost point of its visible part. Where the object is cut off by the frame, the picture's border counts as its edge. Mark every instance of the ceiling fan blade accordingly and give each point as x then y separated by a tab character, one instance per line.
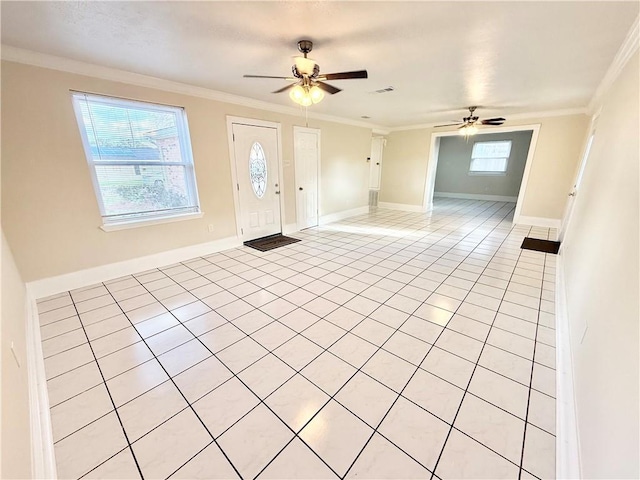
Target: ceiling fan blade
450	124
493	121
284	89
268	76
345	75
328	88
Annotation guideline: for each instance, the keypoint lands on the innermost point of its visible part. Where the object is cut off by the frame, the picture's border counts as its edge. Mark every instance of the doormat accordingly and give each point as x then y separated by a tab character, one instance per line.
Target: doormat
546	246
269	243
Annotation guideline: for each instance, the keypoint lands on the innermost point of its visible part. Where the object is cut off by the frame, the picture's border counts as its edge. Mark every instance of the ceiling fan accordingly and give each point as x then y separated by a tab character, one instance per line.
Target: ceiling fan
469	125
308	84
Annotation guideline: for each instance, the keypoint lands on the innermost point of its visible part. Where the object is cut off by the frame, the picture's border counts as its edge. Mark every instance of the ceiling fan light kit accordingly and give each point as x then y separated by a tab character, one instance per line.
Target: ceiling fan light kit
306	95
309	85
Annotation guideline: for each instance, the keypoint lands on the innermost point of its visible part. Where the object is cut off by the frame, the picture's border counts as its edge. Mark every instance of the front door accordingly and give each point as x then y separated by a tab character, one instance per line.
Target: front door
256	161
307	157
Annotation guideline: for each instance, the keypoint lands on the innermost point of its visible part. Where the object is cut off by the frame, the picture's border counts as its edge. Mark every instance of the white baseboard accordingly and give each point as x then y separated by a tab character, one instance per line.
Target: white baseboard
538	222
290	228
336	217
69	281
401	206
476	196
567	439
43	460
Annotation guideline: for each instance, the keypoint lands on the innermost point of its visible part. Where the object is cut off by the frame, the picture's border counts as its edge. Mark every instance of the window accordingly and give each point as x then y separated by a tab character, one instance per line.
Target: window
140	158
258	170
490	158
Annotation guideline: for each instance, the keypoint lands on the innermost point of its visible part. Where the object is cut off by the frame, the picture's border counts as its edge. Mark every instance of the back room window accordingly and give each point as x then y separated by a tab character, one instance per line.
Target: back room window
490	158
140	158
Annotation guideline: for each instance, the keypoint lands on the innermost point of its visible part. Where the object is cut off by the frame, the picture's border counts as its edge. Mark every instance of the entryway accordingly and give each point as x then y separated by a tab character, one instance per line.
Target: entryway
492	165
256	170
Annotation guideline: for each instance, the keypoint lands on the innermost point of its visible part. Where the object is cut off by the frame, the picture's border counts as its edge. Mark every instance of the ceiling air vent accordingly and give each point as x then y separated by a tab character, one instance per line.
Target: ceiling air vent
383	90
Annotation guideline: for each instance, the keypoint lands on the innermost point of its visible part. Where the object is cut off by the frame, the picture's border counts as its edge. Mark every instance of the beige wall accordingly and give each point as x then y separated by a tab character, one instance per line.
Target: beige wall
50	214
454	158
600	259
404	168
556	156
16	448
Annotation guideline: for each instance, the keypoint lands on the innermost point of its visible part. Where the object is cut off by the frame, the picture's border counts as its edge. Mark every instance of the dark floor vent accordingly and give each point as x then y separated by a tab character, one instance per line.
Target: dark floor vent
546	246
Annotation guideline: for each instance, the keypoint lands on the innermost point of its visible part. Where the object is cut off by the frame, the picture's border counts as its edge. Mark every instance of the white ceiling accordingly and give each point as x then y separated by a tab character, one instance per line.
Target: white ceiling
512	57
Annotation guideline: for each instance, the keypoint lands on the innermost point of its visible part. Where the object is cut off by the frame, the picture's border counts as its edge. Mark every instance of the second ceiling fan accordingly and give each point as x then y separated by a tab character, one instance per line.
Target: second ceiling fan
469	125
309	85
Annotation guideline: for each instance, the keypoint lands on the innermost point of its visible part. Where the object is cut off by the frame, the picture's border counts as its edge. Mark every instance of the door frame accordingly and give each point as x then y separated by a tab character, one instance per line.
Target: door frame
585	153
252	122
434	152
297	129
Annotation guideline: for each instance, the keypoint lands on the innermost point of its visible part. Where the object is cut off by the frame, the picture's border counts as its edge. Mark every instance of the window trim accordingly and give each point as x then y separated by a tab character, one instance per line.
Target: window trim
490	173
121	221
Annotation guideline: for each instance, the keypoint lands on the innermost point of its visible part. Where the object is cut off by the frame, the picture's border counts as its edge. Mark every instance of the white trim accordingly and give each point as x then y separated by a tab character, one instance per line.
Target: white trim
336	217
476	196
252	122
290	228
624	54
318	133
29	57
568	463
145	222
525	176
538	222
434	153
516	116
69	281
43	460
401	206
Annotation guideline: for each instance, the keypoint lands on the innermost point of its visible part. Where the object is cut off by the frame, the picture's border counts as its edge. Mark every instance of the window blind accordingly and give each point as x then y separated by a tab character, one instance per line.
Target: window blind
139	155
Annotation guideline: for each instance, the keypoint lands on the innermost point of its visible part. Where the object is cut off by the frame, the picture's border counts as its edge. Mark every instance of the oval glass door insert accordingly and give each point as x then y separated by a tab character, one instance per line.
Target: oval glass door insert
258	170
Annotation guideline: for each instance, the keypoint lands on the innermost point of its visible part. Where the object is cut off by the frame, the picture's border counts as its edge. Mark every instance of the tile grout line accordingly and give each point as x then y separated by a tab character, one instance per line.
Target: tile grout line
463	397
115	410
411	377
189	405
526	420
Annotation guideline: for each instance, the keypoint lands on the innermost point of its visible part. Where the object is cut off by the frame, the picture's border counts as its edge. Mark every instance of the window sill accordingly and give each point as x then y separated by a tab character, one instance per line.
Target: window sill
124	225
487	174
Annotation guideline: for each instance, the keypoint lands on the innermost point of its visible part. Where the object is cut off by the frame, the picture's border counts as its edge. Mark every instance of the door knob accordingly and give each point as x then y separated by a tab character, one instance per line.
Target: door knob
277	192
300	188
572	194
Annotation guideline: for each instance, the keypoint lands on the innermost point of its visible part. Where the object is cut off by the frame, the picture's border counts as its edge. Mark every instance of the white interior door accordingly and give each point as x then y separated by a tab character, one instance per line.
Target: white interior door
375	163
307	159
257	173
576	185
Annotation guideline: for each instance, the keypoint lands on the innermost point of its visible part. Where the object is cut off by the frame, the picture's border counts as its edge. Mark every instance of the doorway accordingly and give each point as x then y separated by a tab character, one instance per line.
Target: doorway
434	153
306	143
256	170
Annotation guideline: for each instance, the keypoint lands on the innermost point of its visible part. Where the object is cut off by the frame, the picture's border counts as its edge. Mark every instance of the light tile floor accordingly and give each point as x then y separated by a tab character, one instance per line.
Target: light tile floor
389	345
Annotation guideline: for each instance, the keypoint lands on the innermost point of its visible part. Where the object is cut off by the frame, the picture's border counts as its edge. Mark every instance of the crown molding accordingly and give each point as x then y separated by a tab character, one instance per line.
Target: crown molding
63	64
518	116
624	54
